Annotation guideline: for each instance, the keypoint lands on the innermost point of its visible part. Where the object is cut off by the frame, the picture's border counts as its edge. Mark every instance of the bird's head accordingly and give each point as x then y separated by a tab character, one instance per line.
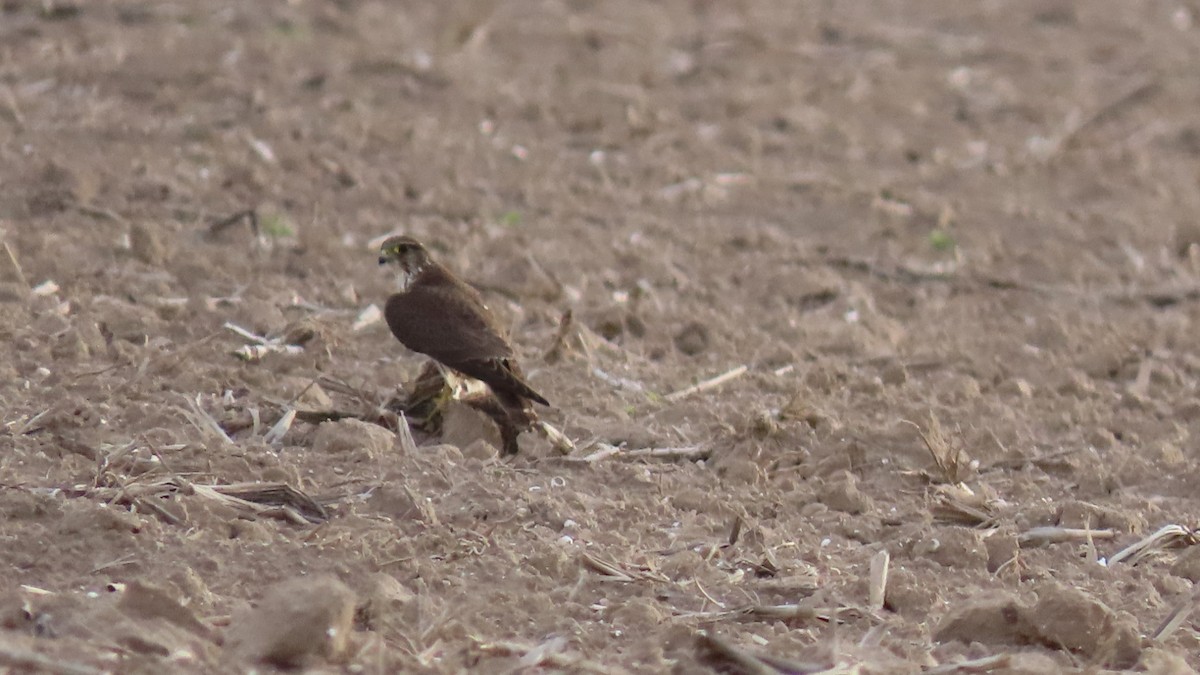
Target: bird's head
407	255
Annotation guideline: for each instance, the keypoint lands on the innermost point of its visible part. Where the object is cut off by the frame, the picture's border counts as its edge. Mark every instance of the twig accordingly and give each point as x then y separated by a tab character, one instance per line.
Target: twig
249	215
980	665
742	660
947	458
691	452
404	432
710	383
277	431
1164	537
685	452
370	315
558	439
762	612
12	258
751	663
879	579
203	421
546	657
559	345
1040	536
99	213
1106	111
1177	616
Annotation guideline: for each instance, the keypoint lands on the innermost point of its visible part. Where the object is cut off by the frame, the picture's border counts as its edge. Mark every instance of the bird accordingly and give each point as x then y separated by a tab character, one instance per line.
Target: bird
435	313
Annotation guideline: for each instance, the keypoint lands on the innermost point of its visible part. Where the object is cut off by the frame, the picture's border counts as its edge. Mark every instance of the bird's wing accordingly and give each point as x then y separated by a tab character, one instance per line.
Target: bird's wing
440	321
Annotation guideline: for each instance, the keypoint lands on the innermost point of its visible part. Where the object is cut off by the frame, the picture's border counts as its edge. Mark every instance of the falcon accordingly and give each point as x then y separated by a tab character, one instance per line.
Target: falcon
439	315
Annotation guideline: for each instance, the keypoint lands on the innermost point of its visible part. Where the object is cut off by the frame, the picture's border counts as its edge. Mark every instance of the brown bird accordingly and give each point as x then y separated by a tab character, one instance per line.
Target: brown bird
441	316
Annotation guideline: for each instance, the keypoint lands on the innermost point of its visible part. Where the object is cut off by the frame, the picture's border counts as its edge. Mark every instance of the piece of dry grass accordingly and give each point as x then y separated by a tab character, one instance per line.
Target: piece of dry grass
1041	536
877	588
959	505
16	266
251	500
785	612
705	385
1165	537
559	346
549	654
606	451
1176	618
613	571
718	651
203	421
984	664
949	459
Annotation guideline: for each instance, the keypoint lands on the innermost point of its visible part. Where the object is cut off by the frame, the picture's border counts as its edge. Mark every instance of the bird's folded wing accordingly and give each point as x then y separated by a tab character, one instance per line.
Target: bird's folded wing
445	325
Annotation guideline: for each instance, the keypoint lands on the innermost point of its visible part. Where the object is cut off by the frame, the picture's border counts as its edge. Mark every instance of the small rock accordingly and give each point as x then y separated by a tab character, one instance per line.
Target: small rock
296	620
1079	515
147	244
1165	662
842	494
958	547
907	594
249	530
381	597
306	393
144	601
1187	234
1066	617
894	374
1016	387
994	618
693	338
480	449
1187	565
1001	549
463	425
394	502
350	435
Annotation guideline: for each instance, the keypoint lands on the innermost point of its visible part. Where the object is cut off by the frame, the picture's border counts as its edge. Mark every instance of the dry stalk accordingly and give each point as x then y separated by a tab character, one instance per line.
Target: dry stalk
958	504
1177	617
12	259
533	656
1166	536
369	316
278	430
949	459
557	438
877	590
558	347
705	385
750	663
204	422
985	664
407	444
1040	536
605	451
614	571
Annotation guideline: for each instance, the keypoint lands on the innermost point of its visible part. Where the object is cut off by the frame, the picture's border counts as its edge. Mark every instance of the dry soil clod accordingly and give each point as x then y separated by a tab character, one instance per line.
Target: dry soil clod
296	621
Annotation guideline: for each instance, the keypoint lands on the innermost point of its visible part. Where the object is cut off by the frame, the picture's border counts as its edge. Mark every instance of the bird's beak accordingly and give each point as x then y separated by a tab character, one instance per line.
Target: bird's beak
382	260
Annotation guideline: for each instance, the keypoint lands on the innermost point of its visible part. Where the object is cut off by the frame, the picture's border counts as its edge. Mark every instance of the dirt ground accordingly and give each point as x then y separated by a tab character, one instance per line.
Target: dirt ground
973	222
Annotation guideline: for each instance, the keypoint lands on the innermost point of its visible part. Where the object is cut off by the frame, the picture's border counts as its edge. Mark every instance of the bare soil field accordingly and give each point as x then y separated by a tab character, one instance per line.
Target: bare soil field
880	354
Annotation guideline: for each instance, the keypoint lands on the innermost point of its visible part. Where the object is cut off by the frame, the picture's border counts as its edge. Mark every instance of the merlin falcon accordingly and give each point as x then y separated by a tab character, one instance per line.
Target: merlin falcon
439	315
